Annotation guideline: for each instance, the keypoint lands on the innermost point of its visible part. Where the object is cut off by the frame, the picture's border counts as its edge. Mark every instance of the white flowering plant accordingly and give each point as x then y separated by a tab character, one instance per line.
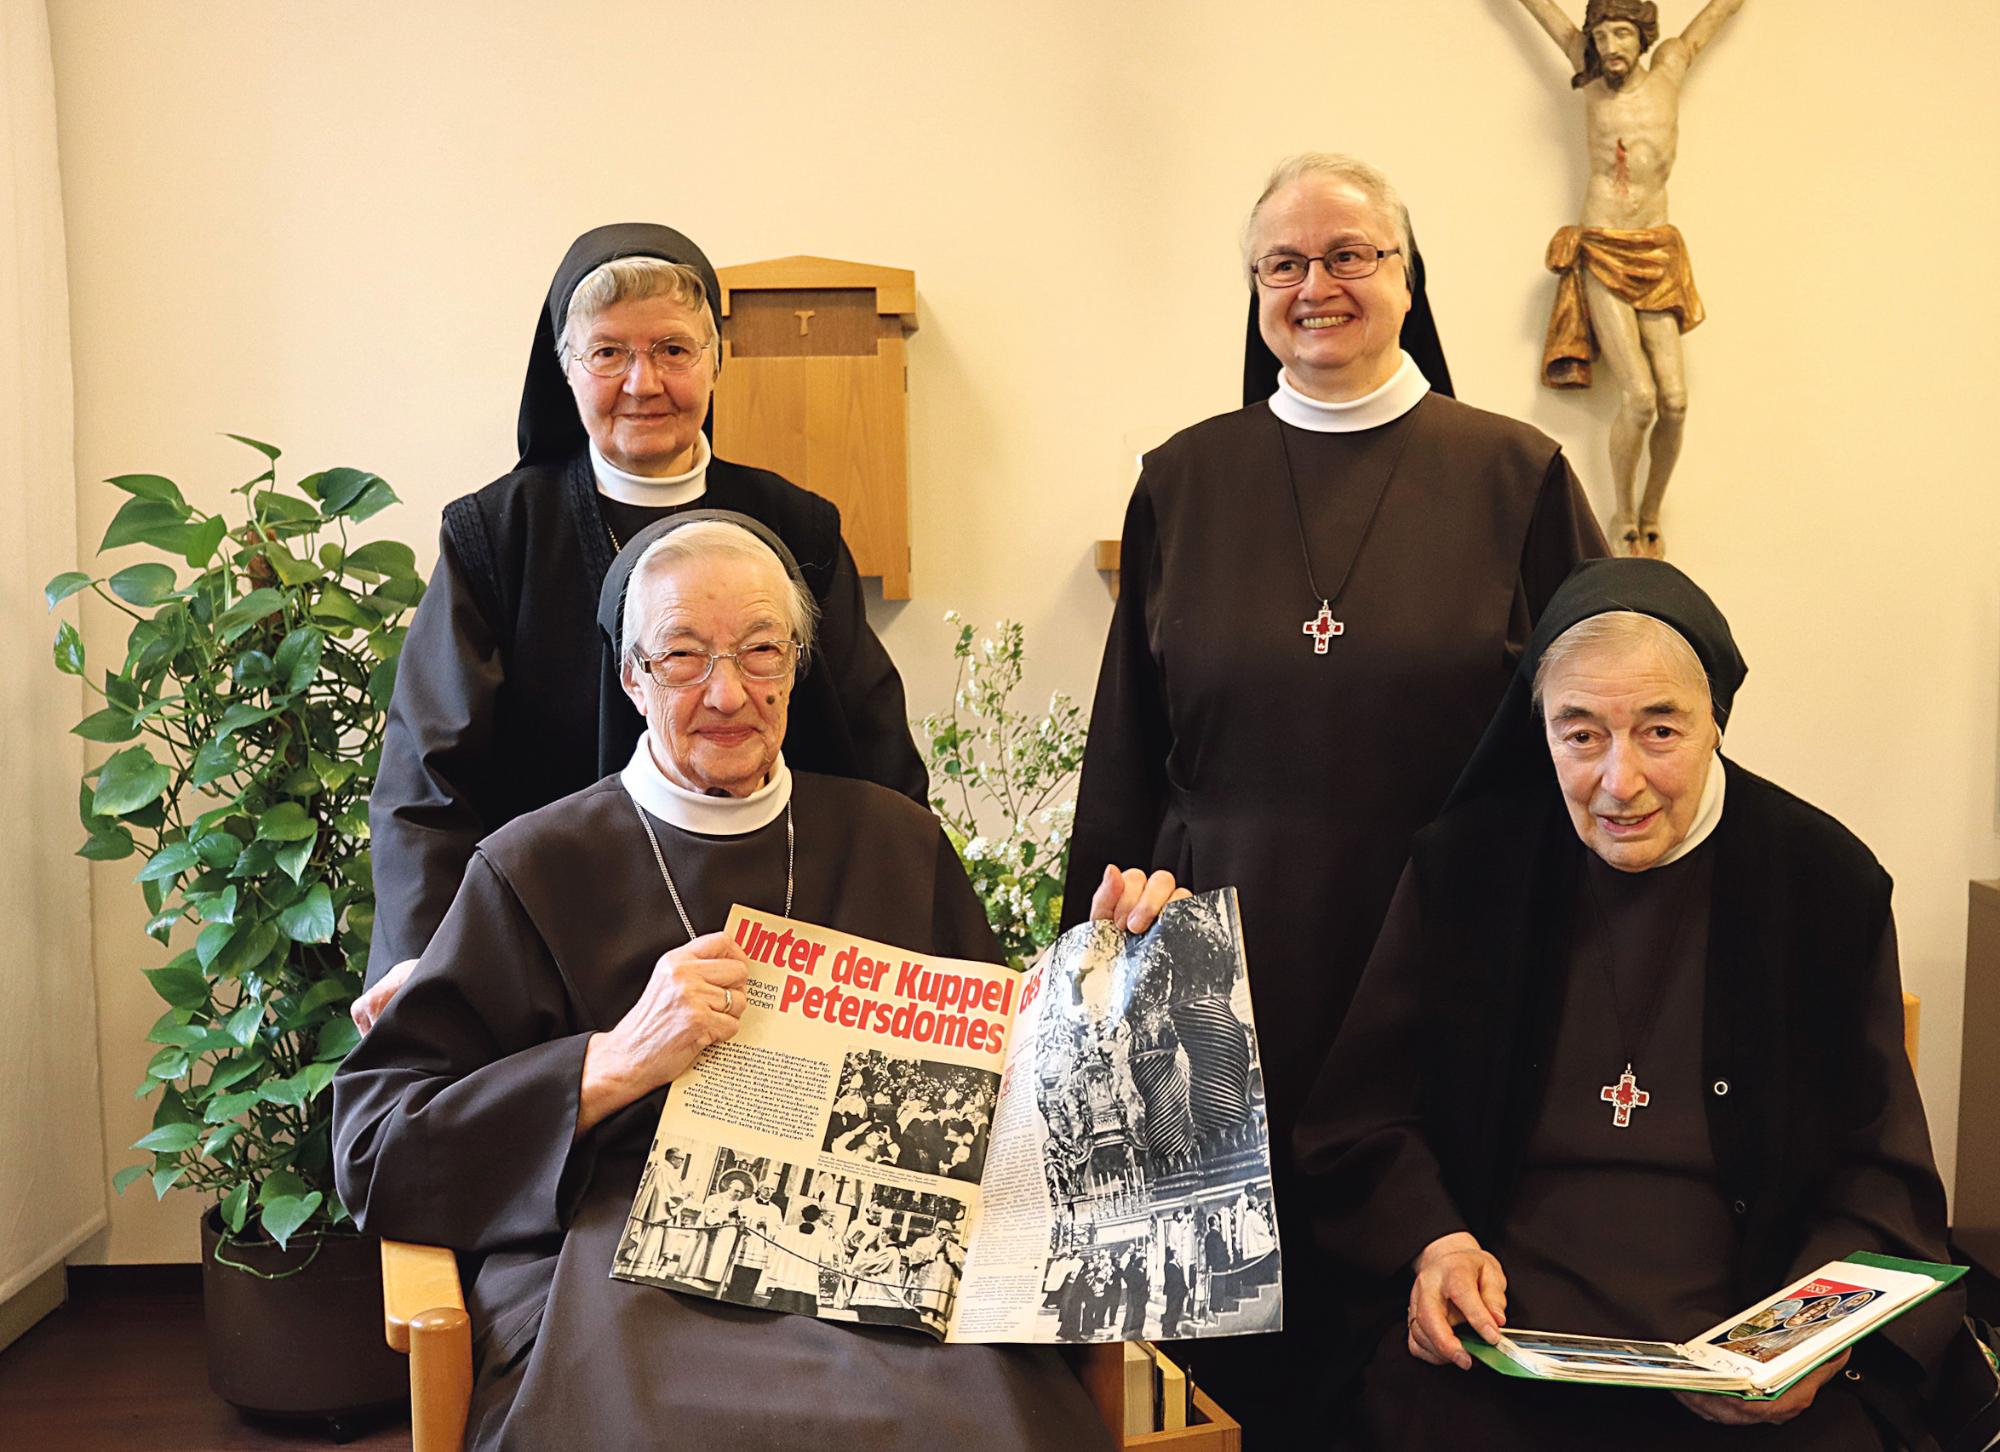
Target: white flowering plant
1003	782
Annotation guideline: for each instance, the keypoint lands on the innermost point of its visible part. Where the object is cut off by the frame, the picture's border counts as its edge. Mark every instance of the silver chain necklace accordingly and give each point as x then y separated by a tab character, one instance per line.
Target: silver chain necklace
791	846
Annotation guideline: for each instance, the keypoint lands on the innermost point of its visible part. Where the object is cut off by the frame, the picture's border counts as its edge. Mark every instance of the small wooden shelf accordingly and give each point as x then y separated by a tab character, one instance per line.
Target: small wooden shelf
1101	1368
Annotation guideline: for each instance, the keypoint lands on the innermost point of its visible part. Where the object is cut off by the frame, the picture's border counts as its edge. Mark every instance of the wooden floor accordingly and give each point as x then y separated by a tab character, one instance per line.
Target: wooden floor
122	1365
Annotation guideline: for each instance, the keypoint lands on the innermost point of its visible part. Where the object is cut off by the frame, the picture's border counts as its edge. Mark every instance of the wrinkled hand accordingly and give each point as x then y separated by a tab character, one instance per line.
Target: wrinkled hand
1133	900
368	1007
693	999
1457	1284
1735	1412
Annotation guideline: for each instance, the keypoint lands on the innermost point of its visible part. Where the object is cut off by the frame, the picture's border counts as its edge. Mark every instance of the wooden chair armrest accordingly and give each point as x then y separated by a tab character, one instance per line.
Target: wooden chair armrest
423	1314
416	1279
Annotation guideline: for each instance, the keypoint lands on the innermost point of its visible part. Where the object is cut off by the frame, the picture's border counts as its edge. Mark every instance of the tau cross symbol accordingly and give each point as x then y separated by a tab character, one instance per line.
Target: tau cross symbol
1323	627
804	315
1624	1097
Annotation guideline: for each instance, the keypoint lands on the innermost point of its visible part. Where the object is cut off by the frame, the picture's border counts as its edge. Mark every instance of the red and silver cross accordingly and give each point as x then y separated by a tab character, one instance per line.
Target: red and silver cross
1323	627
1624	1097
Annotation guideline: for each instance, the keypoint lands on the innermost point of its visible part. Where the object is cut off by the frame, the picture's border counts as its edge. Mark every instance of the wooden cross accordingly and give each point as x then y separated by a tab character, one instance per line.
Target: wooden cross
1323	627
802	314
1624	1097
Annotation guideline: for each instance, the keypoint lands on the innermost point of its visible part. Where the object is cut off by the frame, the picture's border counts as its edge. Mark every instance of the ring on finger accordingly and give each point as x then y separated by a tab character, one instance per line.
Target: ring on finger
728	1000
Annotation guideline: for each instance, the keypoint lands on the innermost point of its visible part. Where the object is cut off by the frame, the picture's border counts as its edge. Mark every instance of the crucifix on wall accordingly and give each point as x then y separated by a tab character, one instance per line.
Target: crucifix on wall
1627	288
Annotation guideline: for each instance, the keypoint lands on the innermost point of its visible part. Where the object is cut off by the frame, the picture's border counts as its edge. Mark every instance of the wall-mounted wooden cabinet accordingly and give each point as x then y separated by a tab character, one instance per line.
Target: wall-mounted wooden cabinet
815	386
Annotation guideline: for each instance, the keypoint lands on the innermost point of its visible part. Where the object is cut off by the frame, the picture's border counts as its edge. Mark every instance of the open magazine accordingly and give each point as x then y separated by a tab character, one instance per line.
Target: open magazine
1076	1153
1756	1354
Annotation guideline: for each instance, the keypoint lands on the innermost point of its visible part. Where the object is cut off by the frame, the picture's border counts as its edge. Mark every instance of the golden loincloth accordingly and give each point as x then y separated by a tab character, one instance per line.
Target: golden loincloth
1648	268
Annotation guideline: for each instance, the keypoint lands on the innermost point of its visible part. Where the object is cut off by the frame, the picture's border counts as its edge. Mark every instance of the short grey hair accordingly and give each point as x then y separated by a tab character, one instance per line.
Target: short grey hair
1628	628
713	539
1370	181
631	279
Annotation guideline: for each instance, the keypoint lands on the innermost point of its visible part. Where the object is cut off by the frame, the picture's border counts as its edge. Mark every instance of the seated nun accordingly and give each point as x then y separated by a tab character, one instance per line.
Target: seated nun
504	1103
1606	901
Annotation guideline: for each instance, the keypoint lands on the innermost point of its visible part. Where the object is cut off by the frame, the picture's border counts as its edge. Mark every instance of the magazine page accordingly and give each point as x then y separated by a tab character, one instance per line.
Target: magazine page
1128	1190
826	1160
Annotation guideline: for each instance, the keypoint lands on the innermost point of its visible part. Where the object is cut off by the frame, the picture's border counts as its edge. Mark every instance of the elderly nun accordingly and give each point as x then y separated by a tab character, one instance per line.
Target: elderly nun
504	1102
1628	1056
504	699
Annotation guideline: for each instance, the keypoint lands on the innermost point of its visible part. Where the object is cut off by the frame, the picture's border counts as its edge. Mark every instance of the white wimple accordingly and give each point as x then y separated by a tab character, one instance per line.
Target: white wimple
723	816
1404	391
668	492
1705	816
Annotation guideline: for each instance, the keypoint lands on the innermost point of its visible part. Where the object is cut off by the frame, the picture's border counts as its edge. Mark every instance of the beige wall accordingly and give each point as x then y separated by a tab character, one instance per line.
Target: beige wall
279	216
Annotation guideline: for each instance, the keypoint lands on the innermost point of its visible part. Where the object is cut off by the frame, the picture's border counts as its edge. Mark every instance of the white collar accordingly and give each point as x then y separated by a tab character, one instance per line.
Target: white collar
691	811
671	491
1404	391
1706	815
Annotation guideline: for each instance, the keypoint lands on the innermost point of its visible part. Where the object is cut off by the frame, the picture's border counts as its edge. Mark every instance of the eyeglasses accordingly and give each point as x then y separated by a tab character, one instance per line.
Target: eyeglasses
1348	262
677	354
767	660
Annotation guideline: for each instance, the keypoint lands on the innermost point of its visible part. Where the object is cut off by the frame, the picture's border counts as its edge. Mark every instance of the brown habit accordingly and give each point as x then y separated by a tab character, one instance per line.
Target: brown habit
1225	750
454	1118
1606	1231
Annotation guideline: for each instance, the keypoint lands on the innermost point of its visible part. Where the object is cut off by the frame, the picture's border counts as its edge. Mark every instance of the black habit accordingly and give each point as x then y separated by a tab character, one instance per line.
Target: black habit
1224	749
1784	1128
454	1122
506	696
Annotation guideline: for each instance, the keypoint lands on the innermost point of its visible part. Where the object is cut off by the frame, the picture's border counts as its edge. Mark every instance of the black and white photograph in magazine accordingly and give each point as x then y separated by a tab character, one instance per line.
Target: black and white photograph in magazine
762	1232
917	1114
1150	1089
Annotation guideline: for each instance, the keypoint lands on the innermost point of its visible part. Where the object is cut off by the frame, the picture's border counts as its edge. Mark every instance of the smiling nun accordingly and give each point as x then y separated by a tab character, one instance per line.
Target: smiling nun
504	1103
1628	1056
505	697
1322	597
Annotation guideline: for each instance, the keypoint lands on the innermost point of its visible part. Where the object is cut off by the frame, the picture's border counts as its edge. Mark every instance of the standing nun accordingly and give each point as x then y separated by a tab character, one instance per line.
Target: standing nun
1323	596
507	697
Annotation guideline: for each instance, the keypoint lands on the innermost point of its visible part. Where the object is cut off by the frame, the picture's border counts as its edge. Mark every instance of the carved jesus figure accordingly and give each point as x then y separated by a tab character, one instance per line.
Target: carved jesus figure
1626	288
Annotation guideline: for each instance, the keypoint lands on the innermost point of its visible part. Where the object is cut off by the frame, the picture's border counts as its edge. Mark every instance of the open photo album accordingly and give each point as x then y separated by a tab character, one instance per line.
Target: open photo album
1756	1354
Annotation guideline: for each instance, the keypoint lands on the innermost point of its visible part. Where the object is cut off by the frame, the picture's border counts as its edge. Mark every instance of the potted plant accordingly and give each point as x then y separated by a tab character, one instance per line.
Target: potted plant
246	718
1002	782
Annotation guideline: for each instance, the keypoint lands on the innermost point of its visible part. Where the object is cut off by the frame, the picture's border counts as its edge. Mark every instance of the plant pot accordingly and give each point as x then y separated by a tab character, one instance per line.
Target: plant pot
307	1344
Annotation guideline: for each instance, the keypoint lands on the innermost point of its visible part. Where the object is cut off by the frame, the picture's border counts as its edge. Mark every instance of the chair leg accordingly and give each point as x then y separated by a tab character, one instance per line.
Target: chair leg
440	1380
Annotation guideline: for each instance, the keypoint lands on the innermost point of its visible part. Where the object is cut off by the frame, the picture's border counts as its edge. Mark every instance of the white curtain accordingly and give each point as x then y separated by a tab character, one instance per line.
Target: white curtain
52	1189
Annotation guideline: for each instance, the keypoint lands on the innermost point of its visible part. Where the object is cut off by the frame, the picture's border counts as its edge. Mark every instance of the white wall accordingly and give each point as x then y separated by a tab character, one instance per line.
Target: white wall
277	213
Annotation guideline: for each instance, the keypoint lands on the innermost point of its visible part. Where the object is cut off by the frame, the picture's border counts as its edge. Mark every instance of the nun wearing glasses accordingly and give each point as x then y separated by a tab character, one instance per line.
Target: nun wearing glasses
580	970
505	698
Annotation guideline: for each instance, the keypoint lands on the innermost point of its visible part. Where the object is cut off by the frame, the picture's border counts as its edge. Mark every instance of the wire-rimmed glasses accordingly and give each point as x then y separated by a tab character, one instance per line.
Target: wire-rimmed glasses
676	354
766	660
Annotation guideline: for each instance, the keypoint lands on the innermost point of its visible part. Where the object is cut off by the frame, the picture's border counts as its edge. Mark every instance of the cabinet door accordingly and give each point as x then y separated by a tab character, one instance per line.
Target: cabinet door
813	388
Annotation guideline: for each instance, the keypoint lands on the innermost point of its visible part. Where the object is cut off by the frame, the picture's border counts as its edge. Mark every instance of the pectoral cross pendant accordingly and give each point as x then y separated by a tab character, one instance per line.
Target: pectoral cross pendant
1323	627
1624	1097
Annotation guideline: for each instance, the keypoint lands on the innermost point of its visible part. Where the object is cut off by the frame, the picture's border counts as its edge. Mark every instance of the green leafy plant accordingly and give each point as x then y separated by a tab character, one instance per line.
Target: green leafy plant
1002	782
247	714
